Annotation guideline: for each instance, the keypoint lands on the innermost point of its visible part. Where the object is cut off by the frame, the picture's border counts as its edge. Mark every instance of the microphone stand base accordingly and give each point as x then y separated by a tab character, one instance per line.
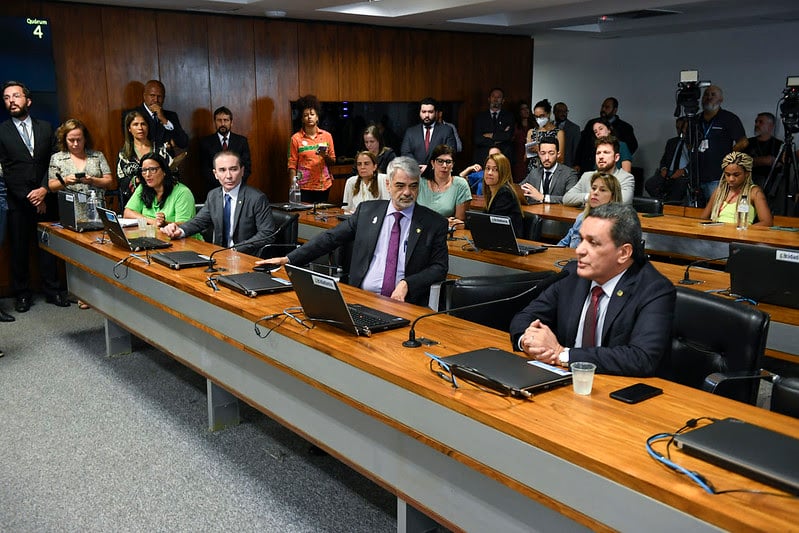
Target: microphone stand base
412	343
690	282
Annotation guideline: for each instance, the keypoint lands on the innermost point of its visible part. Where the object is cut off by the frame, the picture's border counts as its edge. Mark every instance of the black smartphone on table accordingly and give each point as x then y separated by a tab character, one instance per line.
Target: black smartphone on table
636	393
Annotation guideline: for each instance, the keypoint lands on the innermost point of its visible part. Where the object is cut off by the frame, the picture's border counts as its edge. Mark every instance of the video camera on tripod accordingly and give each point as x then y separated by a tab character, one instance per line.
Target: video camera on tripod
689	91
789	108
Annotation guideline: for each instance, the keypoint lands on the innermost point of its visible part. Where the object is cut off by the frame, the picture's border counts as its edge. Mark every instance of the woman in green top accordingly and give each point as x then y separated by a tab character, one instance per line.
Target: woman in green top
159	198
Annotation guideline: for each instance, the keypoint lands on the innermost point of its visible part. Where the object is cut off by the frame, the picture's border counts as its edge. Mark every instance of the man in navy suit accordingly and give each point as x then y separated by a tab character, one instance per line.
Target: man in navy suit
421	260
164	125
223	139
26	145
247	221
493	127
613	309
420	140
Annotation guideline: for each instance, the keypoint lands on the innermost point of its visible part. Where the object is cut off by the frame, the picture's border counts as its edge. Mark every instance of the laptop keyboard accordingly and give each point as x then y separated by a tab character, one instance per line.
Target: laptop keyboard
147	243
368	317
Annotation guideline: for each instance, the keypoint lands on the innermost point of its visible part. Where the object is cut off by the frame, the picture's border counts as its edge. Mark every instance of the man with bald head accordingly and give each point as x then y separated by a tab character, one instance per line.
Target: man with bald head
721	132
164	125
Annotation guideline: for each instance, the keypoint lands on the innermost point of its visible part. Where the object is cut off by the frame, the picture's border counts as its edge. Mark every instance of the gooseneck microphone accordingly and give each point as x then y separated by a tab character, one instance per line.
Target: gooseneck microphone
264	240
67	187
686	280
535	291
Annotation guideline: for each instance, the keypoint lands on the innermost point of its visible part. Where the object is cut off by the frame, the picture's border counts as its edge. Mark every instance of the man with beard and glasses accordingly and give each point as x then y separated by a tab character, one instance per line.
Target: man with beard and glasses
26	145
223	140
420	251
721	132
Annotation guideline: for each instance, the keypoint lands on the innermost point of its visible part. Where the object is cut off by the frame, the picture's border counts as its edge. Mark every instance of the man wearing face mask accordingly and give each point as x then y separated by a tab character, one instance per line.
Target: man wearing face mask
721	132
671	180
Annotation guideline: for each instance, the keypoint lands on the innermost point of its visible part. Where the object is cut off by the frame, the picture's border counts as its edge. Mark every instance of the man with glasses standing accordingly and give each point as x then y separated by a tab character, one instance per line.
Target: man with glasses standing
399	248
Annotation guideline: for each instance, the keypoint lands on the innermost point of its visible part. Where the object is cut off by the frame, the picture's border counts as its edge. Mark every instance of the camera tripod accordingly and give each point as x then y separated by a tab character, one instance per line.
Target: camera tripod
783	184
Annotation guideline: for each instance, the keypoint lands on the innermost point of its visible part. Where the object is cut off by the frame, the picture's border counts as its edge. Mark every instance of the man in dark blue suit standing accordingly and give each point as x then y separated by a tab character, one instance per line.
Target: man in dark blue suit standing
420	140
420	257
164	125
613	309
493	127
223	140
26	145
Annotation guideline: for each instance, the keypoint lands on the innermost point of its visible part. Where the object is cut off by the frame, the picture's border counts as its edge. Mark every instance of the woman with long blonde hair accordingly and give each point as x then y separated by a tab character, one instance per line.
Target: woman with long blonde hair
500	198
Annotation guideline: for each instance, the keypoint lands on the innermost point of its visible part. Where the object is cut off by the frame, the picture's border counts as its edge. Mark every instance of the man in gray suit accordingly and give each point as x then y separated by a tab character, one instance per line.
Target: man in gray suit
423	258
245	222
420	140
548	183
570	129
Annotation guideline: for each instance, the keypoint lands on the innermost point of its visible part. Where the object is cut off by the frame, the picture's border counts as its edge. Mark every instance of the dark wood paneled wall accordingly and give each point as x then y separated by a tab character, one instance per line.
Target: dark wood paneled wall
103	55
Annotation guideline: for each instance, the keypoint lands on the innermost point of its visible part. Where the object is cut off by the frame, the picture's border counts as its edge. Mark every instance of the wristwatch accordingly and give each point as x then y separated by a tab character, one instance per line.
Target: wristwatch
563	357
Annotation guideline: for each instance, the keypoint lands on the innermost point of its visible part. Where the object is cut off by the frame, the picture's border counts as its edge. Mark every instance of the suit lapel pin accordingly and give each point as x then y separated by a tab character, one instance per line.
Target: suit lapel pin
418	230
374	220
619	292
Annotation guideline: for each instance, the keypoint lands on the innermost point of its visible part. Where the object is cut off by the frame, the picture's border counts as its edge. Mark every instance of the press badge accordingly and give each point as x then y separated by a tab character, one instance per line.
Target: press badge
704	145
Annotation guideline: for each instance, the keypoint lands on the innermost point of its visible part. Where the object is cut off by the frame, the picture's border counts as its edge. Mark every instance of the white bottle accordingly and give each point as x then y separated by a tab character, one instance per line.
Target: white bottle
295	197
742	215
91	207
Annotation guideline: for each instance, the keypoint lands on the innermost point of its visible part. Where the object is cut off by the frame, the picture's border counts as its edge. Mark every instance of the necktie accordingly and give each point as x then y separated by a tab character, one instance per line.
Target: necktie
224	144
226	222
26	137
589	326
494	119
427	138
155	118
392	257
547	180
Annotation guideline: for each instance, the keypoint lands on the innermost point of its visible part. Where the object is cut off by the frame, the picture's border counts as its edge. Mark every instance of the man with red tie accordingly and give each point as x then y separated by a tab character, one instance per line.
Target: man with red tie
613	309
399	248
420	140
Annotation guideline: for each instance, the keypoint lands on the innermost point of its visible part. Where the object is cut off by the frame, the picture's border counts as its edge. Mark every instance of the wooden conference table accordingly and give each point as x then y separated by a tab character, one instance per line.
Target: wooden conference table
783	339
685	235
468	458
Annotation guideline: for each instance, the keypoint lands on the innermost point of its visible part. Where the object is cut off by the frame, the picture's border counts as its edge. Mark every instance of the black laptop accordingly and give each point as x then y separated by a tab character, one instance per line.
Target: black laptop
182	259
72	212
498	369
752	451
495	233
117	235
322	301
764	273
253	284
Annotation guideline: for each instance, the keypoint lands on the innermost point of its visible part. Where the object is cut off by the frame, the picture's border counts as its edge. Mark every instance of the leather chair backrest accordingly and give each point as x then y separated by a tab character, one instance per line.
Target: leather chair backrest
532	226
785	396
478	289
711	334
289	233
647	205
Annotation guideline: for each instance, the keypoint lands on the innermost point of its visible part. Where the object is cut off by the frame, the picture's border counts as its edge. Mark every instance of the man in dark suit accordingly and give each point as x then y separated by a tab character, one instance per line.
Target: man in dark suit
613	309
420	140
164	125
549	182
26	145
493	127
570	130
670	183
245	222
622	130
224	139
420	261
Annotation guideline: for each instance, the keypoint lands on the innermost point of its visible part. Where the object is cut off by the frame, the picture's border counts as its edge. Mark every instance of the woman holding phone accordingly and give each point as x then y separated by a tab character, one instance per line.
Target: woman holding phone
311	152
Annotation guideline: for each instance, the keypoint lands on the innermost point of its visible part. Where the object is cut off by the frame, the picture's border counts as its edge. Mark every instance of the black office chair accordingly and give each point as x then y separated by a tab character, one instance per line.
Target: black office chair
785	396
532	226
638	174
717	345
644	204
287	226
477	289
